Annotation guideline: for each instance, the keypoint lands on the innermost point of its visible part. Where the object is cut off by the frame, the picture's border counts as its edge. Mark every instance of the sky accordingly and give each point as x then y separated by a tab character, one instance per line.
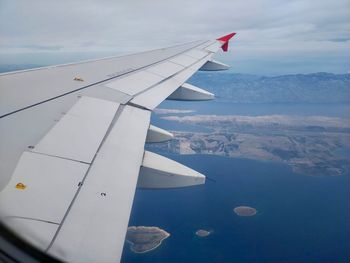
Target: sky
274	37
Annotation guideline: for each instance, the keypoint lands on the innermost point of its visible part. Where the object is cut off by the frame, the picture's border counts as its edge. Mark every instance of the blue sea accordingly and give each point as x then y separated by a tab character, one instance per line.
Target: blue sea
300	218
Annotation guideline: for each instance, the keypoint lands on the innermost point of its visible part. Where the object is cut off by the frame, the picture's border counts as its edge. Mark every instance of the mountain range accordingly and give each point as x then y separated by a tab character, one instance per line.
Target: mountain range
300	88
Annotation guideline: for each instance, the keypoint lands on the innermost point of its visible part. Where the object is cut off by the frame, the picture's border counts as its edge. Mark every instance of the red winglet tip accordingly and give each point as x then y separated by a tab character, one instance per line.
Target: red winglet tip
225	40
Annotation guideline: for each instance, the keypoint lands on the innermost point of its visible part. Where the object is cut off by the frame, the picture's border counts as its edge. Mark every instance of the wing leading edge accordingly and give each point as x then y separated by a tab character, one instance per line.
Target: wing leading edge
73	146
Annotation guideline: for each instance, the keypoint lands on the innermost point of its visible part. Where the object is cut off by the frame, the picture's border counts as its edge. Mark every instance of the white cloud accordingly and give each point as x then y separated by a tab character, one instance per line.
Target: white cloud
266	28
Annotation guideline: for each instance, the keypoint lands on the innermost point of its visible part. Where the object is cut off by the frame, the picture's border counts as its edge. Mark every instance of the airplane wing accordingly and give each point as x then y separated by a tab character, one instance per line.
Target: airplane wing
72	146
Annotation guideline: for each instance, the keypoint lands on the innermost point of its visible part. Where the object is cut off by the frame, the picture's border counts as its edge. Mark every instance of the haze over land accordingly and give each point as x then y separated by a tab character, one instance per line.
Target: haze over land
313	144
298	88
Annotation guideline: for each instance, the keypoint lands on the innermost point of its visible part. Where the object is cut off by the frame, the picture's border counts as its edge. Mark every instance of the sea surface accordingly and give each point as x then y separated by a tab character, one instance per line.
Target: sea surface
300	218
221	107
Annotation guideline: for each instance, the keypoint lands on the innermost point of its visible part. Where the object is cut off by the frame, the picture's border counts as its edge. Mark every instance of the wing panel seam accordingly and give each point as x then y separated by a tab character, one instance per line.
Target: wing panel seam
33	219
116	116
61	157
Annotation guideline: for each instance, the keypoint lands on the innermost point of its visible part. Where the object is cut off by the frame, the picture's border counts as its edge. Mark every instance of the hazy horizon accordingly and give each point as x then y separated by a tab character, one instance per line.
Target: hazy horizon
274	37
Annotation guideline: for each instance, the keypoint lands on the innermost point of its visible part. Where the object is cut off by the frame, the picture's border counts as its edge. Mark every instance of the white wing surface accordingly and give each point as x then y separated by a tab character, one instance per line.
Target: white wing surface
72	146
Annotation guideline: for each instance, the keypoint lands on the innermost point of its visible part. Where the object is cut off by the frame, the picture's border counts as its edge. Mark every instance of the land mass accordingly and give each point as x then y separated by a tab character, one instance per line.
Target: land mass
312	145
144	239
245	211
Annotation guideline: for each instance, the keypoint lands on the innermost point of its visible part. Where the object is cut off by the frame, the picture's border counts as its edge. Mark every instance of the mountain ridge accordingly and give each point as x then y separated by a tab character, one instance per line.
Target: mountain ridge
320	87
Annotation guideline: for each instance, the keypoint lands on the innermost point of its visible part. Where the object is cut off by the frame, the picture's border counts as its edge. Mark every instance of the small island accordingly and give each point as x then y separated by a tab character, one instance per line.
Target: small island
203	233
245	211
144	239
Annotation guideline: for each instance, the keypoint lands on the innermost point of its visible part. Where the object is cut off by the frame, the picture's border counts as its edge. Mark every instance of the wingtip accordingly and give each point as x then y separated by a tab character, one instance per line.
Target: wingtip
225	39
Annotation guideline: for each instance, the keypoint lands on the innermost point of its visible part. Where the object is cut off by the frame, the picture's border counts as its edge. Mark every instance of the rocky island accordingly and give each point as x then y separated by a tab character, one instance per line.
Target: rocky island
203	233
245	211
143	239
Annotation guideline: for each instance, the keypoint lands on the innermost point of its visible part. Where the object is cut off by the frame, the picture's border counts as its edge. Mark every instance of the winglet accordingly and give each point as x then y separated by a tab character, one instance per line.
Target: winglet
225	40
